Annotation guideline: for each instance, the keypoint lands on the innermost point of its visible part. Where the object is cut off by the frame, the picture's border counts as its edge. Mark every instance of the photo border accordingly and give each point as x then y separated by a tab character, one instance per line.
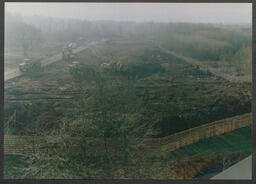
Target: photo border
111	181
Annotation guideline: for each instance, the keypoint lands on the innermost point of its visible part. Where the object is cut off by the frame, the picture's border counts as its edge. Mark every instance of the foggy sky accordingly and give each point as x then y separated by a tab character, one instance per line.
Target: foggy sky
226	13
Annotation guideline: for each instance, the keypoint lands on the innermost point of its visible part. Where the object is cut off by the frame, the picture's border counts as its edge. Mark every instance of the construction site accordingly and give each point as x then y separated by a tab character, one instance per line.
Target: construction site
119	103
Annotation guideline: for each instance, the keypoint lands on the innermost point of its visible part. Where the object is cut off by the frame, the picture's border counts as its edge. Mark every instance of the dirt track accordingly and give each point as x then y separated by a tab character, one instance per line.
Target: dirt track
15	72
212	70
11	74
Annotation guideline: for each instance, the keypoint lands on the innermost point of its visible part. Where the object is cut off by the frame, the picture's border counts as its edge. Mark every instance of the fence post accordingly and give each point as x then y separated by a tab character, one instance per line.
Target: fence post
7	128
14	118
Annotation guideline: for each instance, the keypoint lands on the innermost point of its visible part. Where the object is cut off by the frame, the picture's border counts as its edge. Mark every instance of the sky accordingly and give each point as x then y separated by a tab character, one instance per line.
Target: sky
223	13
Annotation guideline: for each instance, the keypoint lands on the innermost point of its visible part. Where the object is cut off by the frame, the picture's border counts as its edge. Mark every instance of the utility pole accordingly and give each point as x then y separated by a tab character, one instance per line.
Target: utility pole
185	169
8	126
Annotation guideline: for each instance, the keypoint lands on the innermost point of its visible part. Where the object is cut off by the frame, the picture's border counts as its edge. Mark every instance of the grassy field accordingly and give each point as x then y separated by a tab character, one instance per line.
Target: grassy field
13	166
150	91
236	142
200	157
230	146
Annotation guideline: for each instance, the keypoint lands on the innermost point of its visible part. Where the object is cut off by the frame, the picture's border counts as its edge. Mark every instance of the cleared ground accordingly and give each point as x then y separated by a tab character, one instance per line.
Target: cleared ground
184	94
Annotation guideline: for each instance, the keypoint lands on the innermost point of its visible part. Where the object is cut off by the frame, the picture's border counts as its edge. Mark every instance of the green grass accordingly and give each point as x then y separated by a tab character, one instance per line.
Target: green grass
12	166
227	145
236	142
11	131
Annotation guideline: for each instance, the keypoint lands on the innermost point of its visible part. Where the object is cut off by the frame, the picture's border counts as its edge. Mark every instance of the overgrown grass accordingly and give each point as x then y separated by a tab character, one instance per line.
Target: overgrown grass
11	162
238	141
229	145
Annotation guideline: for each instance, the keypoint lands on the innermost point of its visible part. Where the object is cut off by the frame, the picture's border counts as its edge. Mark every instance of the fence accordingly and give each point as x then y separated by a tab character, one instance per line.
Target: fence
190	136
25	144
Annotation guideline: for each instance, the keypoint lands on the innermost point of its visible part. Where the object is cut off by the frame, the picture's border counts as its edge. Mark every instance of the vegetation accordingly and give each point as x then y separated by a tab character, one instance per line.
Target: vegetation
123	89
212	153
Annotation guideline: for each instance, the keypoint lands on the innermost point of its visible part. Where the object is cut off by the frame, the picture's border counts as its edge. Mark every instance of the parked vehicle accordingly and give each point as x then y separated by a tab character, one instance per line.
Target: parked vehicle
30	65
67	53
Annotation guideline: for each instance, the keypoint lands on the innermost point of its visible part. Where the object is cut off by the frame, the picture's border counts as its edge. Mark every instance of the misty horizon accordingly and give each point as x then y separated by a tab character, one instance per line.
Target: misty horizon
141	12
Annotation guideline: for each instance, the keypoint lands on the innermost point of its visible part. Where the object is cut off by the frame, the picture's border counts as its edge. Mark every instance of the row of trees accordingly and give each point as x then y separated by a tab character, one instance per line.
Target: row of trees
202	41
19	34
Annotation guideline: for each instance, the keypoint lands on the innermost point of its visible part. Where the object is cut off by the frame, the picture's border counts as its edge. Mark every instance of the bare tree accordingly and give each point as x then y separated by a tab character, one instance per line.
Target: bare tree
28	36
20	34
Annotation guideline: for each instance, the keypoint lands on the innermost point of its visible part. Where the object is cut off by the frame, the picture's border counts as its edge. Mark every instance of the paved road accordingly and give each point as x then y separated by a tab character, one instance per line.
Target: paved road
240	171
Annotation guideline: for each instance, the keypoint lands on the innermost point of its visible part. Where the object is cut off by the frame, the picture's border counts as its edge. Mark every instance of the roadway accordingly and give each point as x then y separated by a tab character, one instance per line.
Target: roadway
240	171
15	72
206	68
47	61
